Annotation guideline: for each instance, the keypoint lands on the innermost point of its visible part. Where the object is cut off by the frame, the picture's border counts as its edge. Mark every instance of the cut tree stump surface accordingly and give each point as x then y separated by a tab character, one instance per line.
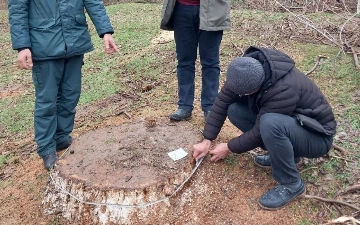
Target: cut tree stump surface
131	156
127	165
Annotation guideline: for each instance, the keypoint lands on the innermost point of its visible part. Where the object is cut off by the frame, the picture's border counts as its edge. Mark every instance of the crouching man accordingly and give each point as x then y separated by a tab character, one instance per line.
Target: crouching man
279	109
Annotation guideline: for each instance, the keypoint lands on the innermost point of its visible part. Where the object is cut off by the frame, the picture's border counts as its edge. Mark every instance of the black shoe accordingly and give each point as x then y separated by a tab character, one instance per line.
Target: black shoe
50	160
180	114
63	145
206	114
280	196
264	161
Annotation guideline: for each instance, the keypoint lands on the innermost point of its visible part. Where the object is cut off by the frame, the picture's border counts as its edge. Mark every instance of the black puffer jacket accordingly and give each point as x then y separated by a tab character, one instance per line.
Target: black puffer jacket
285	90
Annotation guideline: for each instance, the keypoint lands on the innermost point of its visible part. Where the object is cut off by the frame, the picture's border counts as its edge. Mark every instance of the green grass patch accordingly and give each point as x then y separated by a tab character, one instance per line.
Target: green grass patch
256	16
135	26
6	183
17	114
336	76
4	159
141	68
304	221
232	160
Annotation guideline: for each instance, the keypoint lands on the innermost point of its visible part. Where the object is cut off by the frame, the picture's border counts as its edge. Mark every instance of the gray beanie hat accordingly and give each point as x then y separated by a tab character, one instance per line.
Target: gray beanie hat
244	75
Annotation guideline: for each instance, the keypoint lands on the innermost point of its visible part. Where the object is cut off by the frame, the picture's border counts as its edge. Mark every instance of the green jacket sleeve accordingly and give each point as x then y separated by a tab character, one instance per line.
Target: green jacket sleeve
99	17
19	23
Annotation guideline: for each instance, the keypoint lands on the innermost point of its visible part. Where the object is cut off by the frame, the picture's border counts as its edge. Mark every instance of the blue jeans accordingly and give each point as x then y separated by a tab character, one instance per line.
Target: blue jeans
284	139
188	37
57	91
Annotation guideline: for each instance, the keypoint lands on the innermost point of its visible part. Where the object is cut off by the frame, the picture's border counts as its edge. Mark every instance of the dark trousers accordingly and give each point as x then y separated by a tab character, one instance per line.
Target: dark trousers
57	91
188	37
284	139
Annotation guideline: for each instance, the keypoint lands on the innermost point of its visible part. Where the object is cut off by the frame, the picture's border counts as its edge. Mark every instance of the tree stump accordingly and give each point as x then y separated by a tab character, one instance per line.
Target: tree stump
121	175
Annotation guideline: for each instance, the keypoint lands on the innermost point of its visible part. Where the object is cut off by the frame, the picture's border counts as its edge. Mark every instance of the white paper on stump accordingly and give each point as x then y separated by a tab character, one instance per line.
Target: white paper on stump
177	154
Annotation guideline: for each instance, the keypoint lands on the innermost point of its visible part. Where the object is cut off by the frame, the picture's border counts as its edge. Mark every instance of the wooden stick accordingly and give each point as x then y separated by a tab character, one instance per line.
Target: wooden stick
355	55
307	23
338	209
314	167
336	147
355	213
125	113
332	201
352	188
317	62
343	219
238	48
338	157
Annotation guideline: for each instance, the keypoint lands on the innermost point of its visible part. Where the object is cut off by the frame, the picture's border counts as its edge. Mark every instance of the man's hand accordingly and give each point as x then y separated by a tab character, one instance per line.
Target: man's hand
25	60
201	149
219	152
109	43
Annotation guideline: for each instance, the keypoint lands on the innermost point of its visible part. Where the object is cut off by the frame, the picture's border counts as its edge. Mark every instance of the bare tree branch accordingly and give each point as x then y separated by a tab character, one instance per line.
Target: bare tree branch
342	150
344	219
332	201
317	62
303	20
353	188
355	55
342	27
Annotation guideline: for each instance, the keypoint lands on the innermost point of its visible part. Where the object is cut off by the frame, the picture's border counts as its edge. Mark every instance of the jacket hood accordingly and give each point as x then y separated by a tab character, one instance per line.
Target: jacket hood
276	64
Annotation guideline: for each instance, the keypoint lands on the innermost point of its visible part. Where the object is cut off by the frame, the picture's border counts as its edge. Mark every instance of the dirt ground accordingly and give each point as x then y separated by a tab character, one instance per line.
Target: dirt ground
218	193
223	193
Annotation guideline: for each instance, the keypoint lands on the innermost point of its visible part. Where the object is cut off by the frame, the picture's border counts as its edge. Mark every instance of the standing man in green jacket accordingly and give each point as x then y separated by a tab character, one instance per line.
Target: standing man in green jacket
196	23
52	38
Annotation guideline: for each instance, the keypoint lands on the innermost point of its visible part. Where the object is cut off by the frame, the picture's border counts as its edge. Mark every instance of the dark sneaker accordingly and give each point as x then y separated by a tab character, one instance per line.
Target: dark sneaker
180	114
63	145
264	161
279	196
50	160
206	114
